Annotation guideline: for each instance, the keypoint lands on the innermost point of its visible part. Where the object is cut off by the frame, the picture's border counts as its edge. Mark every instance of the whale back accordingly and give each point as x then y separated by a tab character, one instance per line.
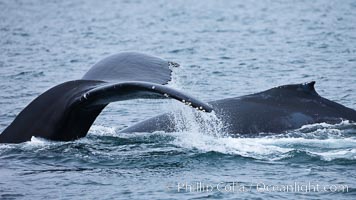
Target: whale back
279	109
272	111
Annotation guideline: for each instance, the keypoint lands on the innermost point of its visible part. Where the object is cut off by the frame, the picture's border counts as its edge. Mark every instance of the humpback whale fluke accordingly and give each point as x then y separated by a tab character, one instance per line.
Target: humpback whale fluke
67	111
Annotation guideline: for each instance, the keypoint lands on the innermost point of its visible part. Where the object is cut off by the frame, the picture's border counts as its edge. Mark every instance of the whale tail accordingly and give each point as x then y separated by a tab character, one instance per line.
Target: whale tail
67	111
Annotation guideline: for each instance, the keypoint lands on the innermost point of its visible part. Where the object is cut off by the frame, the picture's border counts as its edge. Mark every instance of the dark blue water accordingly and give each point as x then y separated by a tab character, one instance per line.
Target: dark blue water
226	49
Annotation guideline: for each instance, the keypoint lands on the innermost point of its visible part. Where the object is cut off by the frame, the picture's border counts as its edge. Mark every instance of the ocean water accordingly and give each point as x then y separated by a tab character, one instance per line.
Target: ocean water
226	49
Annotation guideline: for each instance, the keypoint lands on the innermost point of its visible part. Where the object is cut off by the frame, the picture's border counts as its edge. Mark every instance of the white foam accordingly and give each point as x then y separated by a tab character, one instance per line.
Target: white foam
326	125
37	141
102	130
267	148
247	147
349	154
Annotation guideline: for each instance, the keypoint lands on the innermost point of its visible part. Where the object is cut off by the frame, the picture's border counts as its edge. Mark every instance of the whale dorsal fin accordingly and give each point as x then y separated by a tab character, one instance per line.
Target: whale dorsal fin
131	66
307	88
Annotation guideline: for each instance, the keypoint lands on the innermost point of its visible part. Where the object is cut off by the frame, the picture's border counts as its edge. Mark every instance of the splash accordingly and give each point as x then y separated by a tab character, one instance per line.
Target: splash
189	120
